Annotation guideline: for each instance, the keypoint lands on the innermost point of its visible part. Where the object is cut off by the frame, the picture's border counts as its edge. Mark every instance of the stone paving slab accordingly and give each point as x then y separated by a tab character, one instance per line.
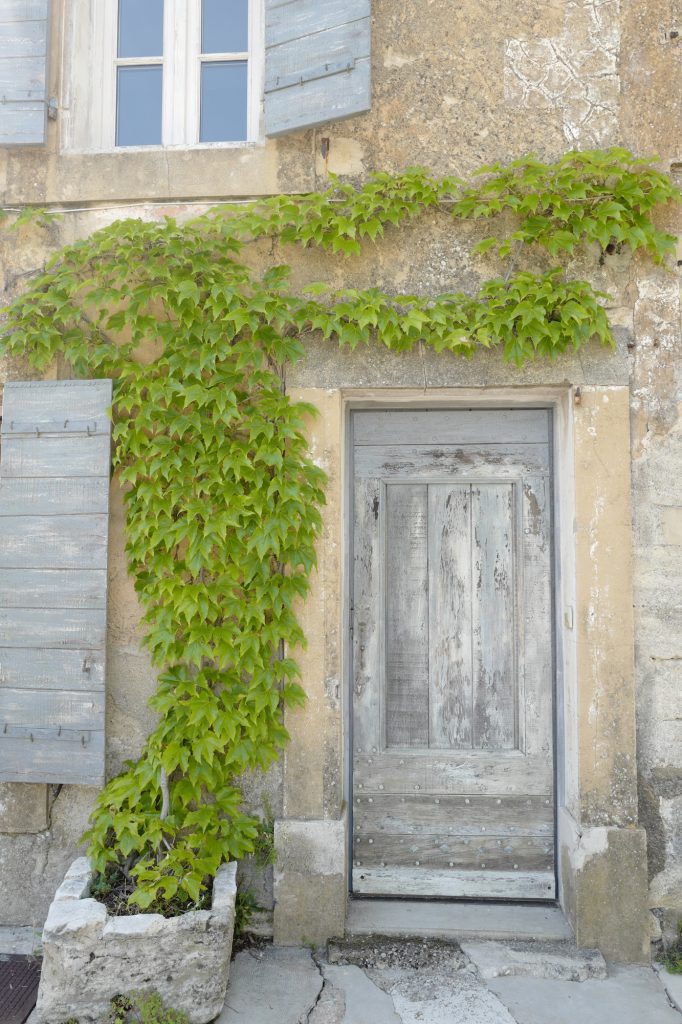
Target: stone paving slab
24	941
276	985
629	995
425	997
286	985
363	1001
558	960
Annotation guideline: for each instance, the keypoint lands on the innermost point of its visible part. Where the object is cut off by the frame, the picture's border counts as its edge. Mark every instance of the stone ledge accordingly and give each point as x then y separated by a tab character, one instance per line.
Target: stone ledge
89	956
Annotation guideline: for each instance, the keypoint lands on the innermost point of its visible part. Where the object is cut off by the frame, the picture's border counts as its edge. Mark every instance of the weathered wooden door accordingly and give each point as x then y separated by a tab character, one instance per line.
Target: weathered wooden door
452	673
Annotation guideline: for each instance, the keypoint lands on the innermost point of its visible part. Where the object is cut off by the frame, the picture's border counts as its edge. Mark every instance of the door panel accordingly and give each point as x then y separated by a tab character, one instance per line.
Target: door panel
452	654
407	633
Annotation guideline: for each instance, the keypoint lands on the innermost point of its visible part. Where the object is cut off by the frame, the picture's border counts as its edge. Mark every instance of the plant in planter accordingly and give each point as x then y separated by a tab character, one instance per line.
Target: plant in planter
222	497
89	956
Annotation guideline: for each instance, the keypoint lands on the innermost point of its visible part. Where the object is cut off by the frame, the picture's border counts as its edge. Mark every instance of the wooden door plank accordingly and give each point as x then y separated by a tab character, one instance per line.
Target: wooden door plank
450	462
53	588
367	627
456	815
52	669
491	853
54	542
535	708
450	426
404	771
407	626
51	709
493	617
450	650
418	881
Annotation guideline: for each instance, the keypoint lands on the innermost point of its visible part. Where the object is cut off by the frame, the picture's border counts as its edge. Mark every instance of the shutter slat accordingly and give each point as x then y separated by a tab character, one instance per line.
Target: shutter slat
52	758
72	628
51	455
23	10
45	588
300	18
53	542
291	64
16	87
43	495
317	62
49	710
24	30
54	486
51	669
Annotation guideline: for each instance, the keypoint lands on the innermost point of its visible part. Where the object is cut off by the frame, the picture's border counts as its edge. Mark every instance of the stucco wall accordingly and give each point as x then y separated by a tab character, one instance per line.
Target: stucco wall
451	91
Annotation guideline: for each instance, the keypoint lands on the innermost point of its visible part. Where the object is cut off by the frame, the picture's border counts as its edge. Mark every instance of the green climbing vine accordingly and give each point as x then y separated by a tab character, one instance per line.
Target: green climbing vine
222	497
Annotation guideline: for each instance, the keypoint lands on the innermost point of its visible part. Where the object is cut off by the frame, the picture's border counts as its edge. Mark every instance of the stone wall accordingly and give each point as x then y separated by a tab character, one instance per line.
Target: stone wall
452	90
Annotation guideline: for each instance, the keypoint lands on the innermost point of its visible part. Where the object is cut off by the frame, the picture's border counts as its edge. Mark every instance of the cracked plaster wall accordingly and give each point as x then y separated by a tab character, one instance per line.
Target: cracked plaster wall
450	91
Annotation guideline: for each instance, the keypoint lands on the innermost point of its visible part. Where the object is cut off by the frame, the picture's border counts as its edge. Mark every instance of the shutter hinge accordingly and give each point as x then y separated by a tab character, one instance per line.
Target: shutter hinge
52	108
300	78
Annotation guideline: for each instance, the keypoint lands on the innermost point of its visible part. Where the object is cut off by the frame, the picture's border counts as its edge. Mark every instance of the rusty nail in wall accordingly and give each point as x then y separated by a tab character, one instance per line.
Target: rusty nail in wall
577	396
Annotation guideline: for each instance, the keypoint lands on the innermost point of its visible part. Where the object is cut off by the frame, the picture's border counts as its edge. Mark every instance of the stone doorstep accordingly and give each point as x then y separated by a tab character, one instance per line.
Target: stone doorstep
457	921
558	961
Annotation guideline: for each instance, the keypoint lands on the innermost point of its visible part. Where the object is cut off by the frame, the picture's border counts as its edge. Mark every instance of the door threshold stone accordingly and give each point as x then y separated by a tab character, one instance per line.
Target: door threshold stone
457	921
558	961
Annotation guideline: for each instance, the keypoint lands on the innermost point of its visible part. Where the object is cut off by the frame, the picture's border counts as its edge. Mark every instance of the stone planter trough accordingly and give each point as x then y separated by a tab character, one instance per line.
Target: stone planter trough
89	956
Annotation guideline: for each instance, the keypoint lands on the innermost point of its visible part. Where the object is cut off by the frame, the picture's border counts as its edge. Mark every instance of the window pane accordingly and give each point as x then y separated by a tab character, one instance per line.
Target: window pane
138	106
223	101
225	26
140	28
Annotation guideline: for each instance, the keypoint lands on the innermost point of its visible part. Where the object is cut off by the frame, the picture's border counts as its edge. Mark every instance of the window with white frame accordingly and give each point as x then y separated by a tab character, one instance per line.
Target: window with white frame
174	73
140	74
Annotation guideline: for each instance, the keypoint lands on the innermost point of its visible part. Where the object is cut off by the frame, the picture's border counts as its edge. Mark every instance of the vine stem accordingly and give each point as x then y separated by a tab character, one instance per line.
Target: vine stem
165	793
514	261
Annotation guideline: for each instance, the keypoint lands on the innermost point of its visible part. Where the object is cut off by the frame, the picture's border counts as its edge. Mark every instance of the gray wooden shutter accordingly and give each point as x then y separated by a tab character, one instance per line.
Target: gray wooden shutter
317	62
54	500
23	71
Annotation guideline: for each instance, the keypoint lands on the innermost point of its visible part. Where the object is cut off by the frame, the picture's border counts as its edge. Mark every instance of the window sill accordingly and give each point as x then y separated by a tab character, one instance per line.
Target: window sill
199	147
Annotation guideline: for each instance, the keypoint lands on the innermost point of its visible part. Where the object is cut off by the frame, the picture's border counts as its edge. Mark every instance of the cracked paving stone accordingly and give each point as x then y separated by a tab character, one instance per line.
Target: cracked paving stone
426	997
363	1001
330	1007
277	985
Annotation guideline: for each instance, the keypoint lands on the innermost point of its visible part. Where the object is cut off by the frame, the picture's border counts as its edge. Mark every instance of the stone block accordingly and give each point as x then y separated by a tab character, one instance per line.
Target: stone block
90	957
605	884
310	881
23	807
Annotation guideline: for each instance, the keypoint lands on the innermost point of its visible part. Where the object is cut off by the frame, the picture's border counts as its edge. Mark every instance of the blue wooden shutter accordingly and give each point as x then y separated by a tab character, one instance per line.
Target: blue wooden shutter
55	456
23	71
317	62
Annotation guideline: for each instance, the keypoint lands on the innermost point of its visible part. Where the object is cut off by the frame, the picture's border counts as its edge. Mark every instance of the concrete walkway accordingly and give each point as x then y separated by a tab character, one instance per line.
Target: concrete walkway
389	981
